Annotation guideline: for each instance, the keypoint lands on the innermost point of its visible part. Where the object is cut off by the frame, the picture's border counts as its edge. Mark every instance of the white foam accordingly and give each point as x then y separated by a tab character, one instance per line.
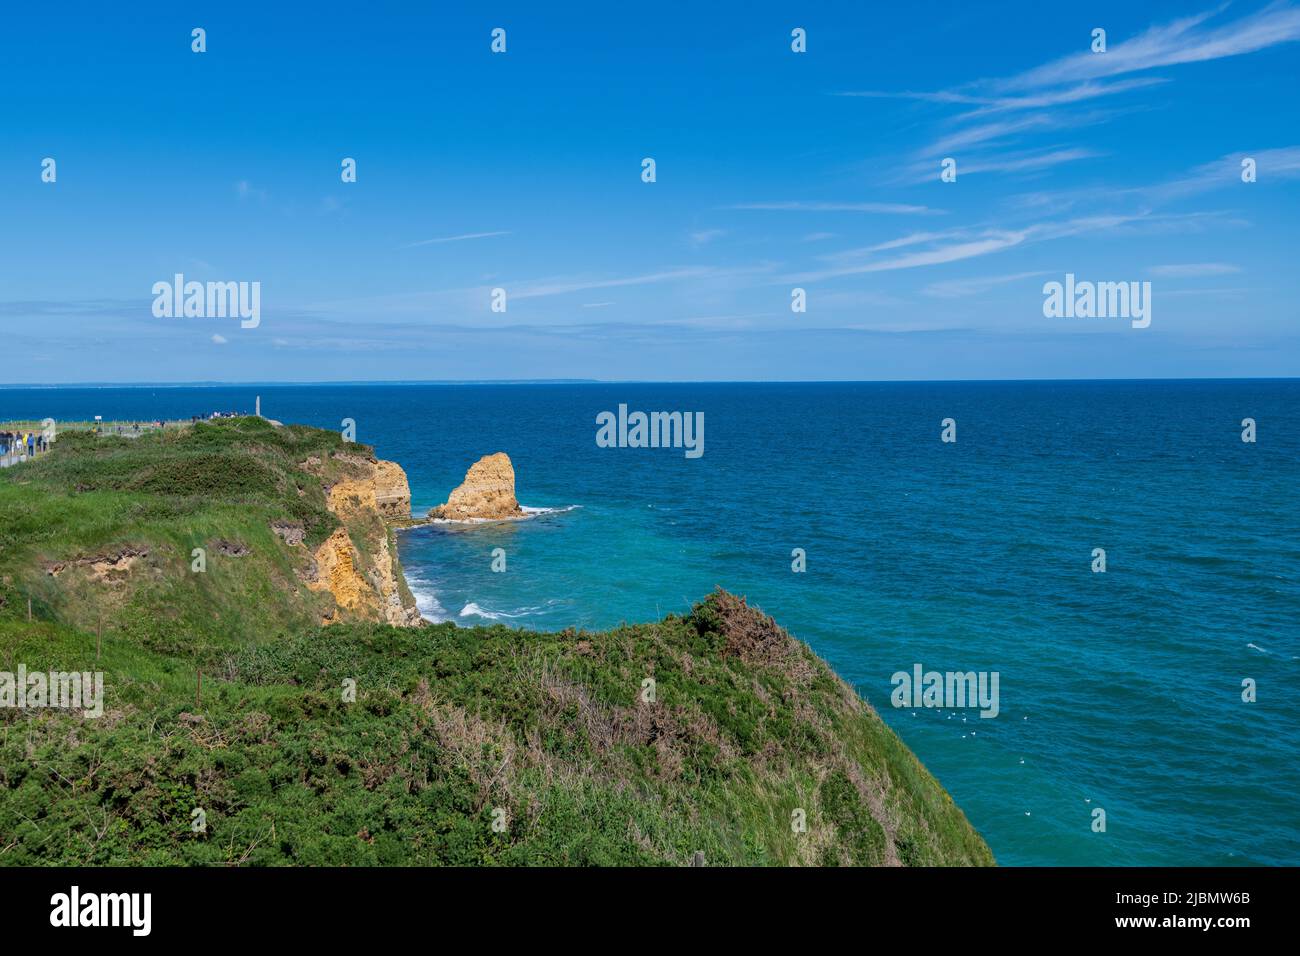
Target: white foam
426	602
528	512
473	609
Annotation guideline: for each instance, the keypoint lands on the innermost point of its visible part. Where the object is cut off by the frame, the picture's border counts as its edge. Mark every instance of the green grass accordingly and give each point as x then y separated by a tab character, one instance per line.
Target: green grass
166	494
450	726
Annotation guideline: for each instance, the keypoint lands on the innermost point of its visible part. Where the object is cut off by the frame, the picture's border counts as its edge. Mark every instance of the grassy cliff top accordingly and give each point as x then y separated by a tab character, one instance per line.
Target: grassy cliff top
461	745
104	529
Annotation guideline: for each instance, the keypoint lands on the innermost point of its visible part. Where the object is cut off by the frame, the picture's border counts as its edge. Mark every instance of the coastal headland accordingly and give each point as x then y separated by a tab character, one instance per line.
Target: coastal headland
238	586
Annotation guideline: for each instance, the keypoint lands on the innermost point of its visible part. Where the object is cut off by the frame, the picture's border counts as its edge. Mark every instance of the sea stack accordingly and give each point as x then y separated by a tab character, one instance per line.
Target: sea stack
488	492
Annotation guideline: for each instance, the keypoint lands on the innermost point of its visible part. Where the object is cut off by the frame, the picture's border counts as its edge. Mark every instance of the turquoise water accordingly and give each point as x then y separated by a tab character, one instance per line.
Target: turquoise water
1119	690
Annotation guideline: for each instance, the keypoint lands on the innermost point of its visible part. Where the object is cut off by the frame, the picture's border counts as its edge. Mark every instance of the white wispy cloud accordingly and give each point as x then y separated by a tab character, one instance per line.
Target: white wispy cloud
957	245
991	132
460	238
1186	40
705	236
991	145
994	104
1046	92
245	190
1063	97
952	252
218	339
1026	161
911	239
1166	293
880	207
965	288
1022	161
1270	164
1193	270
1004	131
563	286
1081	76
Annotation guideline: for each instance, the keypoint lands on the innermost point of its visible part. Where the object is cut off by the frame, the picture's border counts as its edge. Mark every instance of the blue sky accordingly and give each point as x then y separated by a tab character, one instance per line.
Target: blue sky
774	170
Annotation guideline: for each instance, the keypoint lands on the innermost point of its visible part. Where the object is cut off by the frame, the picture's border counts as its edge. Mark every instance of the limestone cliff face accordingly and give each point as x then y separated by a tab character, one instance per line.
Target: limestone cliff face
375	595
396	605
336	572
392	492
372	485
487	492
356	564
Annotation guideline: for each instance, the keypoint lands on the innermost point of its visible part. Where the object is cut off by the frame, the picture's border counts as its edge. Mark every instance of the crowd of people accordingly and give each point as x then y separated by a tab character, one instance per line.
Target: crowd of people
133	428
15	445
22	443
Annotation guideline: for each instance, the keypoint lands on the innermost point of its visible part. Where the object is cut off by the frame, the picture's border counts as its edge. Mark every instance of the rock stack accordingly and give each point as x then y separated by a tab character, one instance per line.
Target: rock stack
488	492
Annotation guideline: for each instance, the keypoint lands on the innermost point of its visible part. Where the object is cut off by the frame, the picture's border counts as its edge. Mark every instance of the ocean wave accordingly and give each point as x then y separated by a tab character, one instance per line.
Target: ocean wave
473	609
528	512
426	602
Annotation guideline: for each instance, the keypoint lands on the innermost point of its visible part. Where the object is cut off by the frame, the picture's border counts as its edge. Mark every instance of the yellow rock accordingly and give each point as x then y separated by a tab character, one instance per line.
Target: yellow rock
336	572
368	589
488	491
392	492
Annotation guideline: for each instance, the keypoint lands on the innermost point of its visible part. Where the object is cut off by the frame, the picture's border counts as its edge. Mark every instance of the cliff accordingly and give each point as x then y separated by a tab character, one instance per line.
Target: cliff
381	487
233	524
320	734
367	494
487	493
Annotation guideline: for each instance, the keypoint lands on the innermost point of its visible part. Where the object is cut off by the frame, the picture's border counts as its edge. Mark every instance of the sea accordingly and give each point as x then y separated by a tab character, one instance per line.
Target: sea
1161	691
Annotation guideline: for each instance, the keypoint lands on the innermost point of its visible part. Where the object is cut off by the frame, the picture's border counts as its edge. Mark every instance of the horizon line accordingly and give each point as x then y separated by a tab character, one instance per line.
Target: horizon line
632	381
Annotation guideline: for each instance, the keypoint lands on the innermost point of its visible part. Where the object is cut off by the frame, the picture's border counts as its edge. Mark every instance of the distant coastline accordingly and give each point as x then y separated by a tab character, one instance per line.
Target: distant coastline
255	383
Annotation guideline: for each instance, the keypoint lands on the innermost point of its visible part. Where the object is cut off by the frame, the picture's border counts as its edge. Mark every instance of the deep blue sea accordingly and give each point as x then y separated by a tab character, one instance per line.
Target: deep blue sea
1120	690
